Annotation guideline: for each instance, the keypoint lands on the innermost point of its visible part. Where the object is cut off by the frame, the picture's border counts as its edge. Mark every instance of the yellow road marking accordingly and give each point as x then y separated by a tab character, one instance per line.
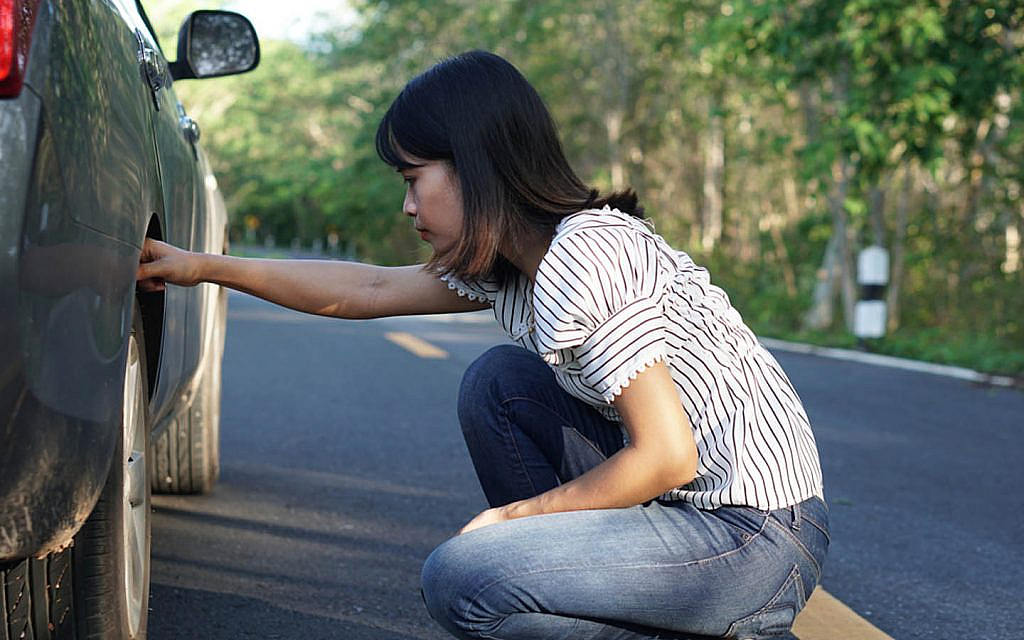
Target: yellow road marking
825	618
418	346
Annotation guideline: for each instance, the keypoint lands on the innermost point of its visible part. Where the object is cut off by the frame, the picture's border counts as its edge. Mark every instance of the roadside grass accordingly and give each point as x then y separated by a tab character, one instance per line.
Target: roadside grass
979	342
981	352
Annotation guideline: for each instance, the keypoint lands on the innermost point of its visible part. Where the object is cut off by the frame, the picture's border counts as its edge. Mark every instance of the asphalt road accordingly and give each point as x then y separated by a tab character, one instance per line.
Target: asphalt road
343	467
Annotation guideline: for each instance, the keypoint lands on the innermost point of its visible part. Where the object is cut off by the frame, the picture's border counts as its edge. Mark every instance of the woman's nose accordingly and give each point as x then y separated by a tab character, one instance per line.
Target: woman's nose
408	206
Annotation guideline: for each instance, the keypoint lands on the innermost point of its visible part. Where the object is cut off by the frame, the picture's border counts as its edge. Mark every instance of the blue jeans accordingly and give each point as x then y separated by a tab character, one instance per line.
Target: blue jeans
657	570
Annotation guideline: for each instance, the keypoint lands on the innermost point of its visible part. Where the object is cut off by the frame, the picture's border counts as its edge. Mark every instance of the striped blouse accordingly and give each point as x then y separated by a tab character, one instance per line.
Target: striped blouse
612	298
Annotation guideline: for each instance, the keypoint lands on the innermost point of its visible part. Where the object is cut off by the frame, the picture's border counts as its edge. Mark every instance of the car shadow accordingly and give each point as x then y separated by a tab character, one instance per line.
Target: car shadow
178	612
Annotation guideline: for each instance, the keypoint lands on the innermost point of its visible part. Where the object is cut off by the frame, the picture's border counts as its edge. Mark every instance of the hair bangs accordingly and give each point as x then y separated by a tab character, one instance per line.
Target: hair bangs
411	130
388	148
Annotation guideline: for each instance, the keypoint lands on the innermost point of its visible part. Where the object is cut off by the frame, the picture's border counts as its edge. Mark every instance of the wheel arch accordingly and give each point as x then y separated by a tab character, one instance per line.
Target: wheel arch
151	308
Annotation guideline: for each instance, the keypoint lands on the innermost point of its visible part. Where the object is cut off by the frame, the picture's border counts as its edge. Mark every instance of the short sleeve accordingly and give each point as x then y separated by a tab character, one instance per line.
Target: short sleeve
483	291
597	304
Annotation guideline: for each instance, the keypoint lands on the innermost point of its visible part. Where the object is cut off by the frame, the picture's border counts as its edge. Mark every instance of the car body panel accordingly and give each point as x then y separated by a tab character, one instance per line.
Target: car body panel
100	109
64	358
87	162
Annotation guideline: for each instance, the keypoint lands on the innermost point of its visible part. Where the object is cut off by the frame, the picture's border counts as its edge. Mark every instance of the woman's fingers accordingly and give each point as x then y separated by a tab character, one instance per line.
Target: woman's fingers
152	285
148	278
491	516
160	263
149	247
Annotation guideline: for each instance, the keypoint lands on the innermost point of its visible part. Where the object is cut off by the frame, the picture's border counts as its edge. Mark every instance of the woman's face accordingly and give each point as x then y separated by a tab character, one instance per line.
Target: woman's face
433	200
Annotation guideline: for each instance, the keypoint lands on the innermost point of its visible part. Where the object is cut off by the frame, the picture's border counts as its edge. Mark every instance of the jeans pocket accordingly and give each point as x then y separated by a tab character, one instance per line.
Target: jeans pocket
776	617
744	522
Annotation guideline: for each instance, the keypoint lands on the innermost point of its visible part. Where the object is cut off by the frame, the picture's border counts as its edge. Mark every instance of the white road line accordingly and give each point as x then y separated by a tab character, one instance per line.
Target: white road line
961	373
418	346
826	618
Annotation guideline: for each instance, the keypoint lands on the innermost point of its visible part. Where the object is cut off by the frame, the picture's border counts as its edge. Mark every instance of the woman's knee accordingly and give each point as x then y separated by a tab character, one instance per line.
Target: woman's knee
439	593
448	578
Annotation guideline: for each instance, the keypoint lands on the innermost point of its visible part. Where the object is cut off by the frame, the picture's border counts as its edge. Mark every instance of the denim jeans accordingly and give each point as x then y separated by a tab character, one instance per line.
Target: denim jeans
657	570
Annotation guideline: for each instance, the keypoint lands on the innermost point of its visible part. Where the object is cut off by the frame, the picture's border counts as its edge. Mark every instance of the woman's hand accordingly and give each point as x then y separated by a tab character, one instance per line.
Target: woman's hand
661	455
491	516
161	263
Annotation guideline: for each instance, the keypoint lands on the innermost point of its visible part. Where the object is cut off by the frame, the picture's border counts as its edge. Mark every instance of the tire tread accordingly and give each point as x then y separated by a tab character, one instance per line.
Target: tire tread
17	613
186	455
36	594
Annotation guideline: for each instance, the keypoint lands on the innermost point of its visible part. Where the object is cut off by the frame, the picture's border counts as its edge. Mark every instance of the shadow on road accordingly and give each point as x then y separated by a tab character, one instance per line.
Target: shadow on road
215	615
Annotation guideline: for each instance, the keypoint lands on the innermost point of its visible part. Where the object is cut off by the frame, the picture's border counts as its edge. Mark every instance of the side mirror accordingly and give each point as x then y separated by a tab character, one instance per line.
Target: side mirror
215	43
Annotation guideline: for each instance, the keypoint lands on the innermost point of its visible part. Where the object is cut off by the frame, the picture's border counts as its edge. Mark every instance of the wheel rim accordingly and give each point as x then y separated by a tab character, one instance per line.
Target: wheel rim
135	485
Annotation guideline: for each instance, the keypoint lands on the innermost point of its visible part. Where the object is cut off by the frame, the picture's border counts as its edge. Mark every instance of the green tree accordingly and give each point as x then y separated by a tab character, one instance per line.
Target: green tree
771	139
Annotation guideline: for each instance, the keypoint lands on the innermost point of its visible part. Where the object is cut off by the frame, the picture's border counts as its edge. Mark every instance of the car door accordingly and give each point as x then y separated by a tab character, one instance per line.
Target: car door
178	167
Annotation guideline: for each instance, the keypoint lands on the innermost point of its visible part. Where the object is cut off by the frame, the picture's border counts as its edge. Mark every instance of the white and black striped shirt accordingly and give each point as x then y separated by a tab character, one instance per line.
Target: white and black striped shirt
612	298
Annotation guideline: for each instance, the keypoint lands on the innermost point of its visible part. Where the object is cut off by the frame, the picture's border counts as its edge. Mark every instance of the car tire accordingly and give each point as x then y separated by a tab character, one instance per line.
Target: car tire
36	598
98	589
111	551
186	454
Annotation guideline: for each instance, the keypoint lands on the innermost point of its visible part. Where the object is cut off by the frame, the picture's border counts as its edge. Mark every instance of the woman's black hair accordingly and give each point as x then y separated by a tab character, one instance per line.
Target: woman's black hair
477	112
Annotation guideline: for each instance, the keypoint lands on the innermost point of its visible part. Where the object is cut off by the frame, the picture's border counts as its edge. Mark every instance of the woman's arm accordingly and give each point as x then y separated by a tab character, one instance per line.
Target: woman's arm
661	455
328	288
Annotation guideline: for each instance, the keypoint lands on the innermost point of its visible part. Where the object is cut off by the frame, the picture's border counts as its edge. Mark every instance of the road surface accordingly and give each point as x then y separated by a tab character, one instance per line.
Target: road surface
343	467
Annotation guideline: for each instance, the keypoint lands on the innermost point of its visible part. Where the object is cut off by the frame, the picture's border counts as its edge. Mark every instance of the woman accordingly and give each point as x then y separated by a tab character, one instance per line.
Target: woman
650	469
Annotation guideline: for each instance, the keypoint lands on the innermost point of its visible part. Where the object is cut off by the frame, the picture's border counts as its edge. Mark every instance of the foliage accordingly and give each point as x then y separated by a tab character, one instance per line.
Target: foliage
896	122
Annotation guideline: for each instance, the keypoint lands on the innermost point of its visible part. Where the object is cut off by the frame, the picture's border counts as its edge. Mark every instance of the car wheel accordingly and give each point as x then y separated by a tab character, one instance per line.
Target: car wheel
98	588
111	552
187	453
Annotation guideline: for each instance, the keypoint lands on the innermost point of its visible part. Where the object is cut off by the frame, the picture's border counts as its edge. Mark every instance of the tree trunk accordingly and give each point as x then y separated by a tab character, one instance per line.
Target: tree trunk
617	170
775	223
976	173
822	310
812	124
1011	263
793	210
714	176
894	292
845	271
836	271
876	214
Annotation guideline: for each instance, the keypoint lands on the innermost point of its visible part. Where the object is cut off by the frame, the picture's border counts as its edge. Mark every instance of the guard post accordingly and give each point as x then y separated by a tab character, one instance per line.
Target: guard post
869	313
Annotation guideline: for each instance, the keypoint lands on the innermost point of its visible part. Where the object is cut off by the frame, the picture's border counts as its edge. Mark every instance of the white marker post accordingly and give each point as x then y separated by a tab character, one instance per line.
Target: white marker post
869	314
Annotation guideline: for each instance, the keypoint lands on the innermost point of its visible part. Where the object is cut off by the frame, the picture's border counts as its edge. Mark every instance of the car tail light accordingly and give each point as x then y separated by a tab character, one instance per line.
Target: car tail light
16	19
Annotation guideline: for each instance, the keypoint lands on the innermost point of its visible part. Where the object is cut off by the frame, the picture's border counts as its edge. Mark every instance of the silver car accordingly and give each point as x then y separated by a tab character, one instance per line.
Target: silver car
106	394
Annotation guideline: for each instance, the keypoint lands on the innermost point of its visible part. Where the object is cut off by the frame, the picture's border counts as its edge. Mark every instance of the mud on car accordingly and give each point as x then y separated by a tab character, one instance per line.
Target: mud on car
106	394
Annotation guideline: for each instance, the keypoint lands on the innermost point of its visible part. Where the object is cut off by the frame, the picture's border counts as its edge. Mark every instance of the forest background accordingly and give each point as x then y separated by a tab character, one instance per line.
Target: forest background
772	140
